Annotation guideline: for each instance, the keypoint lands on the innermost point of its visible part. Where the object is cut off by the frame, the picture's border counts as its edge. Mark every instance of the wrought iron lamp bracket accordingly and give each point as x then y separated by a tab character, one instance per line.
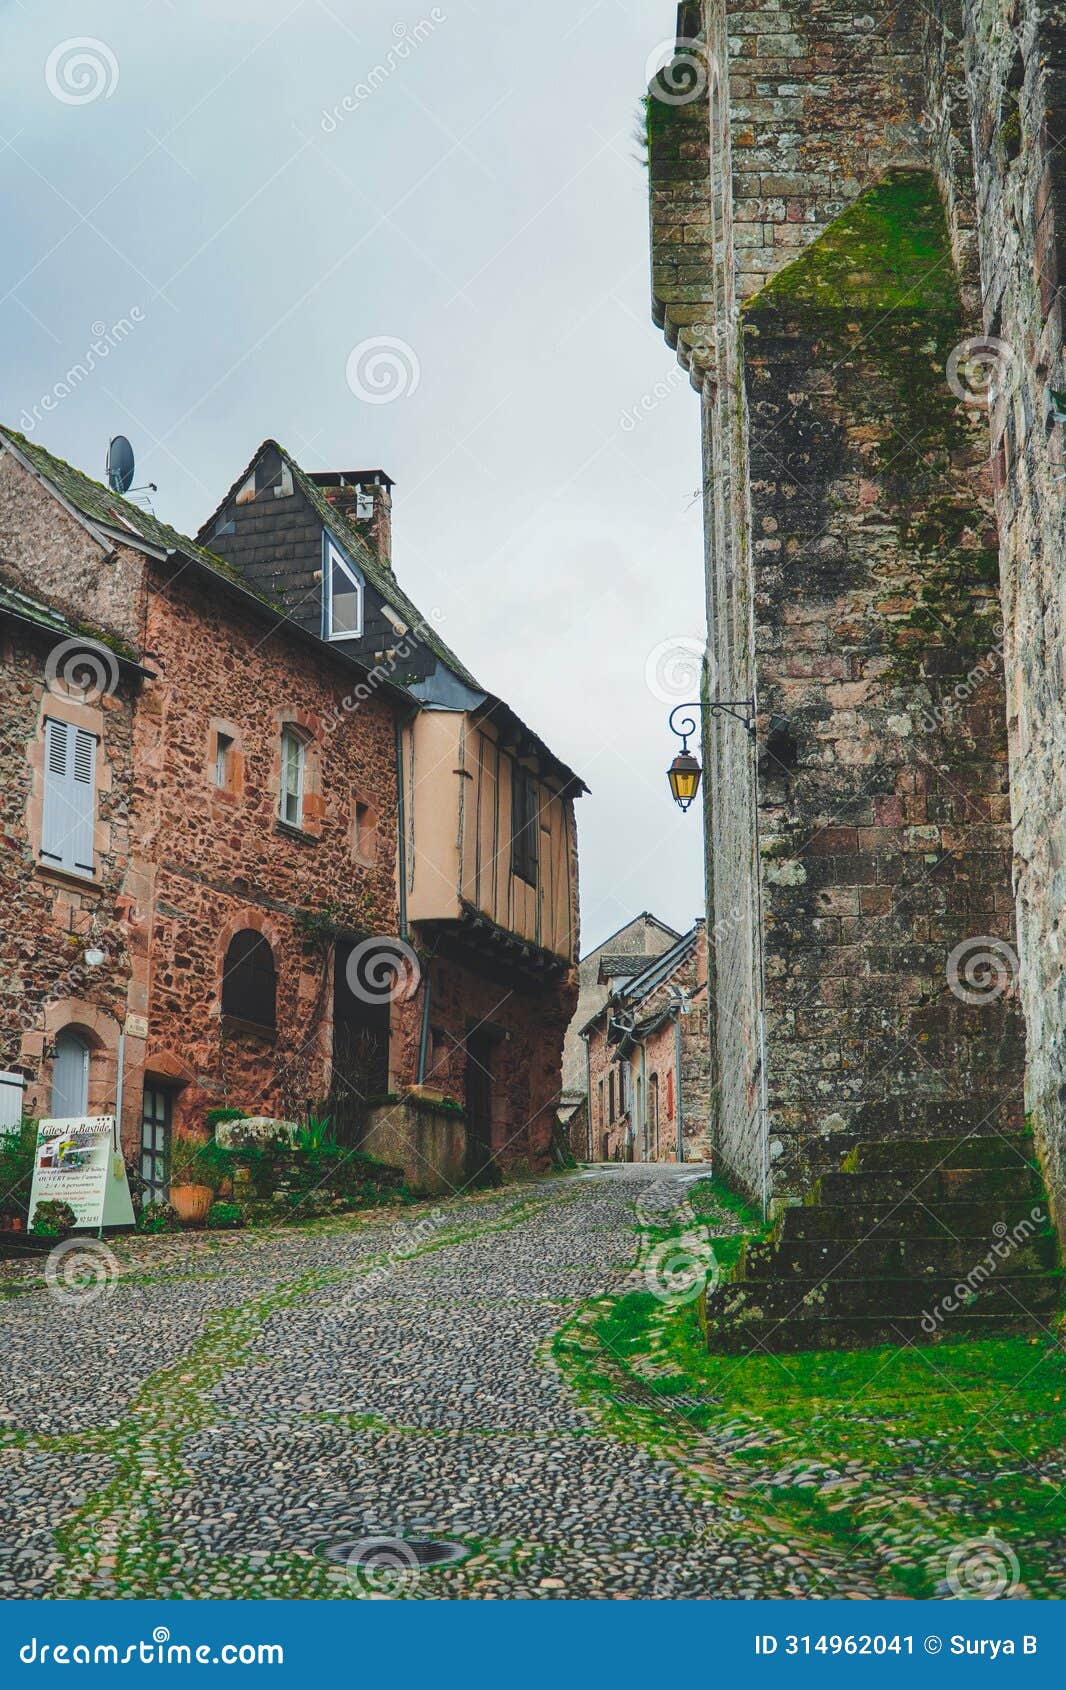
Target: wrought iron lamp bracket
742	710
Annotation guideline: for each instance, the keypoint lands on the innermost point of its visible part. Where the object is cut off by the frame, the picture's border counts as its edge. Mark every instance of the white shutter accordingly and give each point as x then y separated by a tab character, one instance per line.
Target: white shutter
12	1087
83	783
69	816
55	822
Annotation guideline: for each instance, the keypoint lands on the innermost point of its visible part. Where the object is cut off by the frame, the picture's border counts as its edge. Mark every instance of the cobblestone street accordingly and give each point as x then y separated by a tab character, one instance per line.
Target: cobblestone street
228	1409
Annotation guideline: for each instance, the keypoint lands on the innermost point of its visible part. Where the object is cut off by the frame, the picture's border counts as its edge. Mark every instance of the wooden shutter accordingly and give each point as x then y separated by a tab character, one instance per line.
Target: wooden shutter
83	783
68	821
55	820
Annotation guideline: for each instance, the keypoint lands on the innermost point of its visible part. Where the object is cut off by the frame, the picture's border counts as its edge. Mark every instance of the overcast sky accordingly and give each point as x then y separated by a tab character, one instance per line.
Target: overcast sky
477	205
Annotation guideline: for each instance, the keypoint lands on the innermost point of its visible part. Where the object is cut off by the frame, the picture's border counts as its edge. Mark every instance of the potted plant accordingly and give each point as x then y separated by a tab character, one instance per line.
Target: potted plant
190	1196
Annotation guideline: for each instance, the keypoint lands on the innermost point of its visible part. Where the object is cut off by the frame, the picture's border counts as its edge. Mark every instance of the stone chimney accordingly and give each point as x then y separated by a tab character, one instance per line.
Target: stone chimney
364	498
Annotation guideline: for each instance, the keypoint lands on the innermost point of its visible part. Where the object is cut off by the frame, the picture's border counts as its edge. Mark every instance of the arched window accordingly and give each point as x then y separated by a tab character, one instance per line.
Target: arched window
70	1076
249	979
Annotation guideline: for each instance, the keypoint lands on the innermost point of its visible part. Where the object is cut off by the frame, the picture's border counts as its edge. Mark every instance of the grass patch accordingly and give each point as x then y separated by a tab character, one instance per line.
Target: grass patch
887	1459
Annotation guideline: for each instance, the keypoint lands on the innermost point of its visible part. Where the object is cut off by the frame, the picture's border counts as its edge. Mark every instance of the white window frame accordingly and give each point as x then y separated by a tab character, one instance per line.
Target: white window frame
331	556
223	754
291	736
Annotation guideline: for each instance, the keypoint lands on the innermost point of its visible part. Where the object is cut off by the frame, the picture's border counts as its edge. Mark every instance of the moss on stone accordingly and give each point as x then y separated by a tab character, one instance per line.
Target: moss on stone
875	298
889	252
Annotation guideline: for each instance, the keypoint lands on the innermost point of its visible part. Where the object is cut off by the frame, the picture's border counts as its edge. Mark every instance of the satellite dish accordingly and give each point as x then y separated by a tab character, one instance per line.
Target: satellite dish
119	464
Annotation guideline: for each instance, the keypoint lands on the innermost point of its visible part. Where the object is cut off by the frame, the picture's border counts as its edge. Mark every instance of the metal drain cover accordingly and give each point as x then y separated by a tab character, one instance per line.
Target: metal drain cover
379	1553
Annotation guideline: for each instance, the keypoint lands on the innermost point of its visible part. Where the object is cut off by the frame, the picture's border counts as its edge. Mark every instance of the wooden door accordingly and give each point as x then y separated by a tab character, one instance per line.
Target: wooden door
478	1102
155	1143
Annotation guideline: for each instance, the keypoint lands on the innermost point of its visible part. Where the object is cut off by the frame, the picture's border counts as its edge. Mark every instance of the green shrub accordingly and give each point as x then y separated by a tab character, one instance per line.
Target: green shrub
16	1168
52	1218
214	1116
314	1133
137	1183
158	1217
223	1216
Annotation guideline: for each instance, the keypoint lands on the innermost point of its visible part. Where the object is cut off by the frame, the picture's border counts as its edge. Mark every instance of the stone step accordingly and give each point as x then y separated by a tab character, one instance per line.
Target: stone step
943	1185
910	1220
799	1299
754	1335
895	1257
996	1151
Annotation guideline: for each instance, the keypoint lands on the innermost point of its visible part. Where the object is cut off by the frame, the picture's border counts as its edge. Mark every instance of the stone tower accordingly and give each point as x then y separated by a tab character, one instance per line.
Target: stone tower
854	222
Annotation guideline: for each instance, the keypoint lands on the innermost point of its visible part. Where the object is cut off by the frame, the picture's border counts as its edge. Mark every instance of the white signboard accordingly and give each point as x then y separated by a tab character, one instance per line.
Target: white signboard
77	1162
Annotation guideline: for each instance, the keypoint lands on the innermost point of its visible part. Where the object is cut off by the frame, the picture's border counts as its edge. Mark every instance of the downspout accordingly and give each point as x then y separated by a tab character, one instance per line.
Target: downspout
588	1096
643	1101
118	1089
401	828
764	1086
677	1086
423	1041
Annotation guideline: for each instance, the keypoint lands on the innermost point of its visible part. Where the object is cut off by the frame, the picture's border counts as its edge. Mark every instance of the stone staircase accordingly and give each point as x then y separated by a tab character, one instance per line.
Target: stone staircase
907	1241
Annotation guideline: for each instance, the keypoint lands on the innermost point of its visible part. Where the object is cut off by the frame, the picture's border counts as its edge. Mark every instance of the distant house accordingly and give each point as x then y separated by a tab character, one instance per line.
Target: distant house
643	937
648	1062
265	842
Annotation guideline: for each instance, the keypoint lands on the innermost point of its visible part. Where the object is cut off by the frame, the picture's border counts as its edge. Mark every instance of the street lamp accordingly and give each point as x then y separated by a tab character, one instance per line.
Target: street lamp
684	772
684	777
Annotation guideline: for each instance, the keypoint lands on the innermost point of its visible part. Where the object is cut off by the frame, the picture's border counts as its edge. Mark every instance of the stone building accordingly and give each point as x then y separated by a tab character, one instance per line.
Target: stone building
247	864
648	1054
857	221
487	866
636	942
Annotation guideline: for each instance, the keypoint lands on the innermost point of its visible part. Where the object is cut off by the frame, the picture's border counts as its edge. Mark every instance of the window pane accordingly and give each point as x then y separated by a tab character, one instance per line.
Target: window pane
345	599
292	755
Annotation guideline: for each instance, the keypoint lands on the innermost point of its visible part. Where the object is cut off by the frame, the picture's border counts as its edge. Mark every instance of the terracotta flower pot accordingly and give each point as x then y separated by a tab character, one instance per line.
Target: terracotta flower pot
191	1203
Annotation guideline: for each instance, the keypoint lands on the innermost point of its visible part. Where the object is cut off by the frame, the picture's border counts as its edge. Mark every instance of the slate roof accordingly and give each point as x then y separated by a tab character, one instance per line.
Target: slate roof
46	617
657	970
384	582
118	518
616	963
381	579
97	502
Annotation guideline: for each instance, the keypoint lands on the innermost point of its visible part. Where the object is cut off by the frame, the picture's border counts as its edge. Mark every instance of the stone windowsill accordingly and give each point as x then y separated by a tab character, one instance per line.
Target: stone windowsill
67	879
299	834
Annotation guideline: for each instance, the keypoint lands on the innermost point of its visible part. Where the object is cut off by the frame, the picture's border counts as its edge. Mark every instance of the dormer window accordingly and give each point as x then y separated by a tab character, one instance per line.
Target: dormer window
342	595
